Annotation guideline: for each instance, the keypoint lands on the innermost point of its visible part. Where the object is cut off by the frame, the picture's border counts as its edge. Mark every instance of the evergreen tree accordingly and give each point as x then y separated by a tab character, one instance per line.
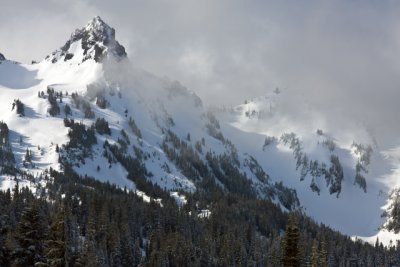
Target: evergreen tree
54	109
323	255
135	129
290	246
30	236
28	156
67	110
56	246
20	107
315	255
102	126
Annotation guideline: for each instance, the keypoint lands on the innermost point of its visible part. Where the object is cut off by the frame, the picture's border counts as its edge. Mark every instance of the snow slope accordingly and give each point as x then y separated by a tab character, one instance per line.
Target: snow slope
353	212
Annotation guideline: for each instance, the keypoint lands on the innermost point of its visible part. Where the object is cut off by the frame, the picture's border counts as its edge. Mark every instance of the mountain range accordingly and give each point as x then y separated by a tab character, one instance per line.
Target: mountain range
85	108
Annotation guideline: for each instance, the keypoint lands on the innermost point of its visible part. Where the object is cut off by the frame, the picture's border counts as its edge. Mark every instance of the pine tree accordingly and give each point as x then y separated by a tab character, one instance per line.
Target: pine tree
88	256
30	236
315	255
323	255
67	110
56	244
28	156
4	232
127	257
114	245
290	257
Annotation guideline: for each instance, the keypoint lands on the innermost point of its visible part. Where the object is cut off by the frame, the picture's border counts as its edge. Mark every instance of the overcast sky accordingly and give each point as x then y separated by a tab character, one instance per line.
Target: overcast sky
342	56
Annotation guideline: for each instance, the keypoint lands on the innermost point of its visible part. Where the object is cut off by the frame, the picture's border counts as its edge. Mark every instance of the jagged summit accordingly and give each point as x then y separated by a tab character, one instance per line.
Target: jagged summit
2	57
95	41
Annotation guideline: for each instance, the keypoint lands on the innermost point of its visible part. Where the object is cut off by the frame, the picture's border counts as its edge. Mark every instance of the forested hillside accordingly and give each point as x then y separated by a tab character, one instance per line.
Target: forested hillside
78	221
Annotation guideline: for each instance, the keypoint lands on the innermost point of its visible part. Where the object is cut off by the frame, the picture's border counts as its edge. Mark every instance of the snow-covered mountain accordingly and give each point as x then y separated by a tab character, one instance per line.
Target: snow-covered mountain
94	41
85	107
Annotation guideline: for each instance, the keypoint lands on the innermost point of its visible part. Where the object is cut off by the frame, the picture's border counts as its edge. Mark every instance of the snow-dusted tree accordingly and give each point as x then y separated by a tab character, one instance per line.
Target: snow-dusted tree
67	110
56	247
20	107
102	127
30	238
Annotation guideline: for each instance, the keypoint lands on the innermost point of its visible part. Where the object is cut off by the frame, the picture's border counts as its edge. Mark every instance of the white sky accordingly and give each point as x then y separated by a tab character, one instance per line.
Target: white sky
342	56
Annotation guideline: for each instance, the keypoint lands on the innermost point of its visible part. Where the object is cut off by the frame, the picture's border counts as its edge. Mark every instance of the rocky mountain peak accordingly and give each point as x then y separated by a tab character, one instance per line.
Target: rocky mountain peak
96	31
97	41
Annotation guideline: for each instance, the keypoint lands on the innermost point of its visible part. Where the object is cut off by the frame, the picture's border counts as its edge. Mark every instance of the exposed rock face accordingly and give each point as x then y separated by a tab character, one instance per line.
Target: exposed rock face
97	40
2	57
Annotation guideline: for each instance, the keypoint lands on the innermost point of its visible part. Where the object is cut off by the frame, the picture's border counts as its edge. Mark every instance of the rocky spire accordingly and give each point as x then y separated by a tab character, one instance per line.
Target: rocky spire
97	40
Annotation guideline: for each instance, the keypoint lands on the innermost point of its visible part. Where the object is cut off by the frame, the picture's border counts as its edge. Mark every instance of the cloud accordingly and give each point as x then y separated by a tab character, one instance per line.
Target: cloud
342	56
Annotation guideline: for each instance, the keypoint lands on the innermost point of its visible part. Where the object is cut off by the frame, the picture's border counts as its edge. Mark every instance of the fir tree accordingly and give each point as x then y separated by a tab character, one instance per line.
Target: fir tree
28	156
67	110
54	109
56	246
102	126
290	246
323	255
30	236
135	129
20	107
314	255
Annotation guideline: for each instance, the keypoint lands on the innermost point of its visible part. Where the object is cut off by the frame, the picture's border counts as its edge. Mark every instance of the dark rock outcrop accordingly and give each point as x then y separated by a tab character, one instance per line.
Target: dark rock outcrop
97	42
